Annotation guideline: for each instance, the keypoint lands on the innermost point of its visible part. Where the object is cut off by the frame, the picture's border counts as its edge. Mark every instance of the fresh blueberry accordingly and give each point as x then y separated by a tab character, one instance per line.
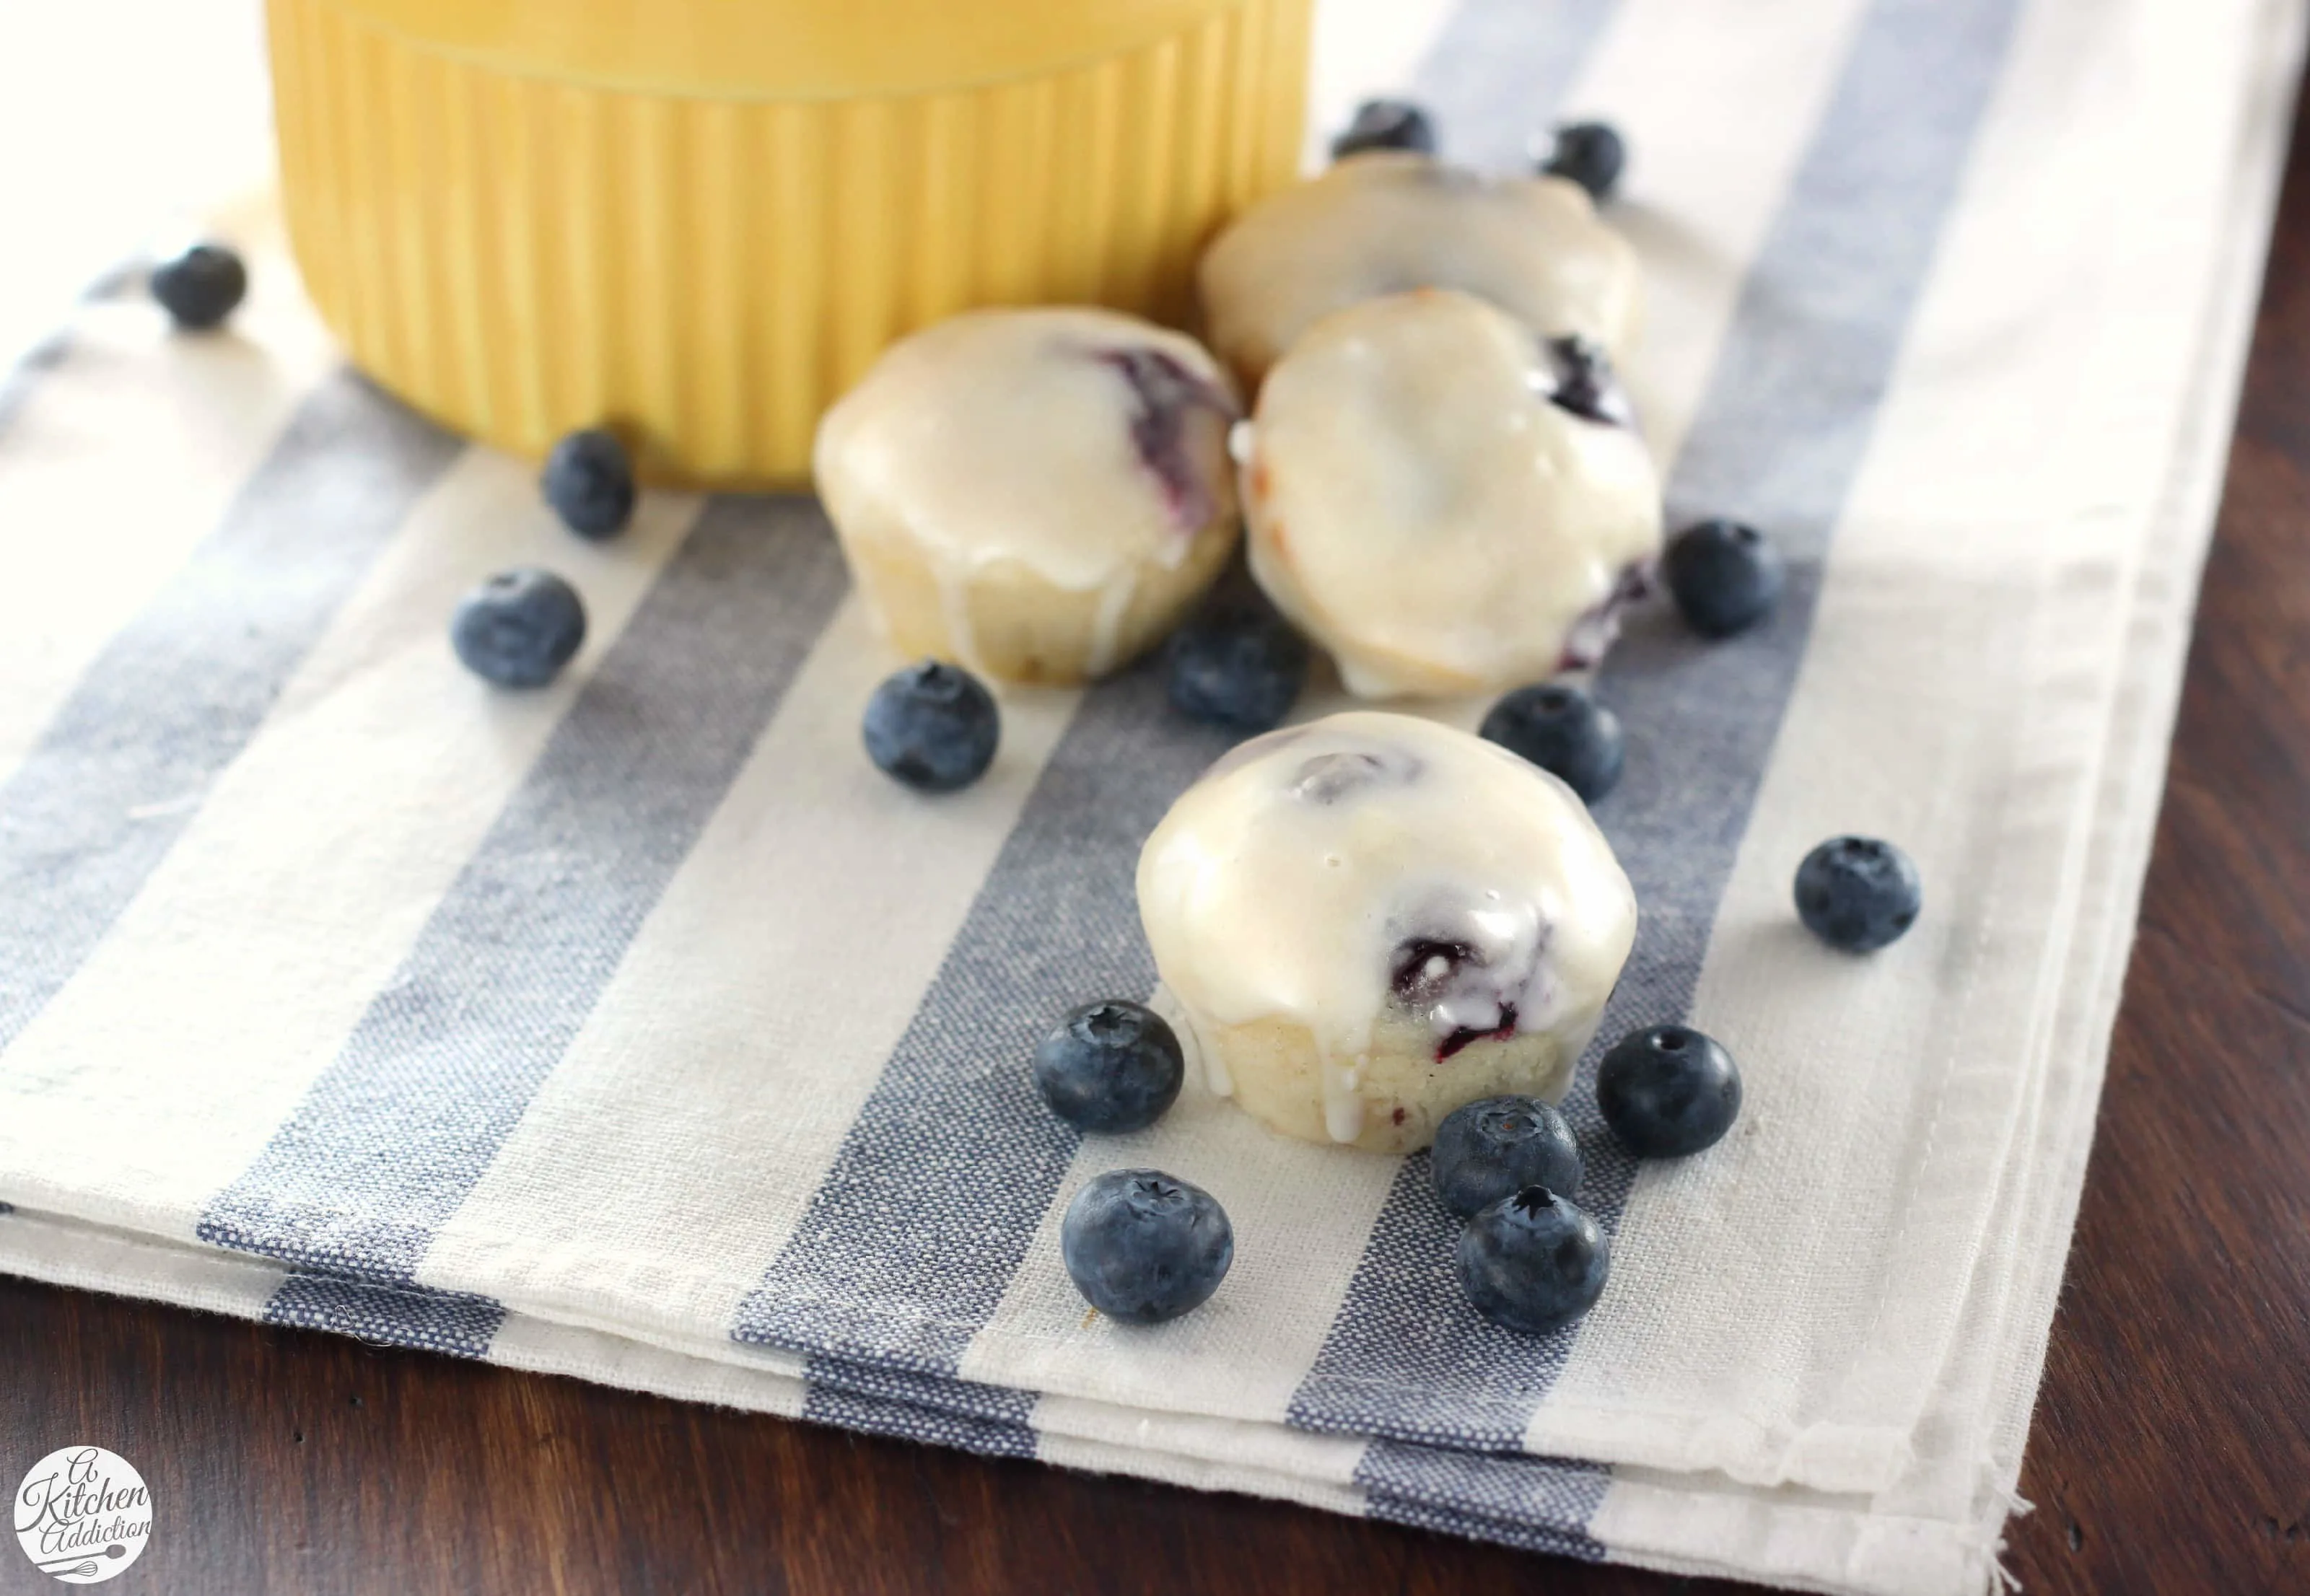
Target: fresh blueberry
1111	1067
1495	1147
1668	1092
1563	731
1725	576
1238	664
1858	894
589	481
932	726
1144	1247
1386	124
519	627
1533	1262
1591	154
200	287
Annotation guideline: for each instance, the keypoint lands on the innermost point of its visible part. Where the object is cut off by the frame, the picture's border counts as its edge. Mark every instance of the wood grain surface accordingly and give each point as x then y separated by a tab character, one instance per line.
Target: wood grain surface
2171	1451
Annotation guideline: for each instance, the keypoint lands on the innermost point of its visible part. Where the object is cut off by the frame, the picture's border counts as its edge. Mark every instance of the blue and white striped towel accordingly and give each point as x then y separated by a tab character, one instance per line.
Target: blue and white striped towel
637	1030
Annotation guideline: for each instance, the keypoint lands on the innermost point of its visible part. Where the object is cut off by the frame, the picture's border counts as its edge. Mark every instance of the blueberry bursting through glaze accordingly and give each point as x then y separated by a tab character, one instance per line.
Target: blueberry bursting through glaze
1327	778
1164	393
1598	627
1424	969
1579	377
1143	1247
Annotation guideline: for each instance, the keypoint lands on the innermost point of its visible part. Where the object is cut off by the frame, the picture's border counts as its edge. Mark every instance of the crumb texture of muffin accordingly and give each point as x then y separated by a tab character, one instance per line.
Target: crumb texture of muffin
1370	920
1445	501
1038	495
1386	221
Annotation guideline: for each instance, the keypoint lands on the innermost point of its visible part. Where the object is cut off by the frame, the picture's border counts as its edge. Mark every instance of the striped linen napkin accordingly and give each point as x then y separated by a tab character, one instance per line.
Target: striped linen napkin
637	1030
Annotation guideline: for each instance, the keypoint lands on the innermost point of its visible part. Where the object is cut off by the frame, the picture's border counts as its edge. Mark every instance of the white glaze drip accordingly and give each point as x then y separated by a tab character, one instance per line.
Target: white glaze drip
1343	1110
1201	1059
1214	1062
1106	625
954	609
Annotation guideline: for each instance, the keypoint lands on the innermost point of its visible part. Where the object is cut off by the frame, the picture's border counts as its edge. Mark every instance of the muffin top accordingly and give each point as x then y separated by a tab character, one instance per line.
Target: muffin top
1370	865
1074	442
1387	222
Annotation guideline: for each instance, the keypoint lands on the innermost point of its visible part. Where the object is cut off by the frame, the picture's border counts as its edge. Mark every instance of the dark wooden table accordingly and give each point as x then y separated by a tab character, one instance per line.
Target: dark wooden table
2172	1446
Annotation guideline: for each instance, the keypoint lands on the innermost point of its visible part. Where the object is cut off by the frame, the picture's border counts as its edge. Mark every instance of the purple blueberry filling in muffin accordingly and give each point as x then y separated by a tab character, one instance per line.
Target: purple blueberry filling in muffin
1164	394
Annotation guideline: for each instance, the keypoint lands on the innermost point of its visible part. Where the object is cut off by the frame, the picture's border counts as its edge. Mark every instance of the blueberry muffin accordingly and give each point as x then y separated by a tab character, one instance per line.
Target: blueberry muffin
1371	920
1038	495
1386	221
1446	500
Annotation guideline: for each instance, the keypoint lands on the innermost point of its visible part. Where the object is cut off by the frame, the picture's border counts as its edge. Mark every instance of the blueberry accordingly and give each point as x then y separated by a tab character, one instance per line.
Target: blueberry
1668	1092
1144	1247
932	726
1591	154
1858	894
1563	731
1164	394
1495	1147
519	627
1386	124
1238	664
200	287
1725	576
1346	774
589	481
1533	1262
1583	382
1111	1067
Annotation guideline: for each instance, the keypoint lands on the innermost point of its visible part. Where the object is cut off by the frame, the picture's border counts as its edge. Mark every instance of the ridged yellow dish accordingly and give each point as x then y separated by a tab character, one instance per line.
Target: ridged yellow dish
700	220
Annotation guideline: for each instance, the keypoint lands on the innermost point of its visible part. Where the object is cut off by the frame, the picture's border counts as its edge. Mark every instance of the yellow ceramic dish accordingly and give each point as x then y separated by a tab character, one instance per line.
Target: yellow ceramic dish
699	220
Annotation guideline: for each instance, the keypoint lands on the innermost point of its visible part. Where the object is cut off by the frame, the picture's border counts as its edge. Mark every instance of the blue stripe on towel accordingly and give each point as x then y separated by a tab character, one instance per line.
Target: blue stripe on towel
1497	70
1778	439
394	1133
989	1419
912	1237
176	695
453	1322
1544	1502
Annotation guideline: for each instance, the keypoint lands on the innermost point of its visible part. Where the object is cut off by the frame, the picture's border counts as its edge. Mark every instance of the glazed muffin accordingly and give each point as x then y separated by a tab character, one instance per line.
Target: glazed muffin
1388	221
1038	495
1371	920
1445	500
